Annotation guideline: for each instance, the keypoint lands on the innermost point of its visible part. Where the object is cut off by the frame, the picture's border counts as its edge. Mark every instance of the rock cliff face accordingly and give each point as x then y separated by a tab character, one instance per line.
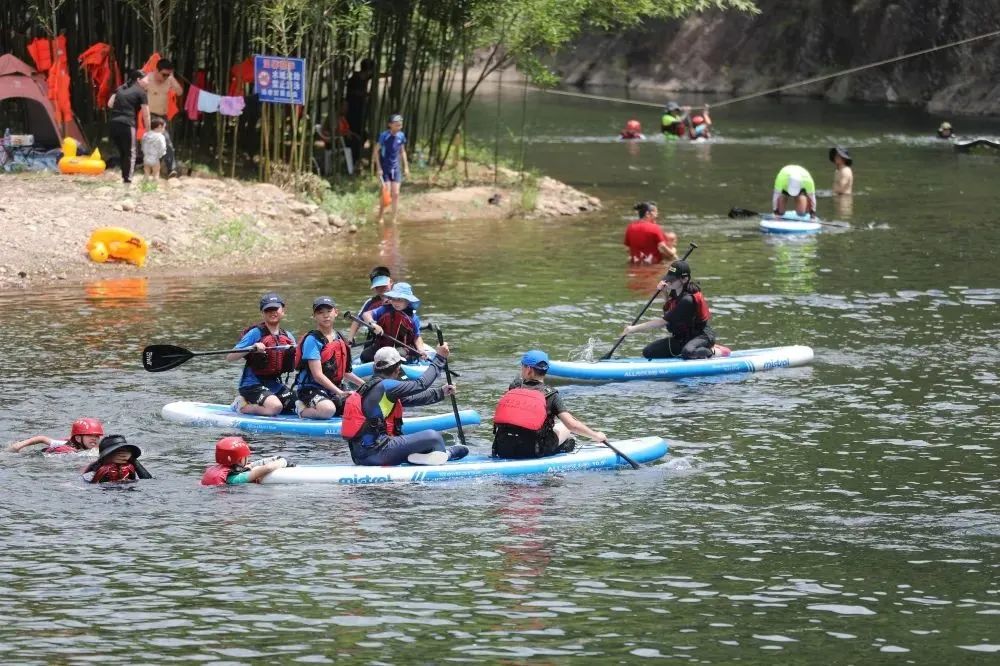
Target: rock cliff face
792	40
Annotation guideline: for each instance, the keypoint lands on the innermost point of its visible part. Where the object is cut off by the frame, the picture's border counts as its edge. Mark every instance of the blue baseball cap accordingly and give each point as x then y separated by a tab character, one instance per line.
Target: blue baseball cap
271	300
536	359
323	302
380	281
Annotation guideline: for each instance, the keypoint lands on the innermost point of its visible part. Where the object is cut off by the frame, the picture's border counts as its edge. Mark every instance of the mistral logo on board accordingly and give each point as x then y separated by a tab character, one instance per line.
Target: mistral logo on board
777	363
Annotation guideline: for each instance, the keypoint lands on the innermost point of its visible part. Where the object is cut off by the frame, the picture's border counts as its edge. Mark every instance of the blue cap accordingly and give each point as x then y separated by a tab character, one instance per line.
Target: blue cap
403	290
323	301
380	281
536	359
271	300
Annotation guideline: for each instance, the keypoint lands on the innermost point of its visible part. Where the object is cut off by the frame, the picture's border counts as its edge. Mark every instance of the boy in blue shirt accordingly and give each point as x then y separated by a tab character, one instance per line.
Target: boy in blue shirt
262	391
323	360
390	162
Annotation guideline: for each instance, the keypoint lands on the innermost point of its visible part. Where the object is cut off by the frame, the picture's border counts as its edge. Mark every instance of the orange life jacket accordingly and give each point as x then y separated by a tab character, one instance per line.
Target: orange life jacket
333	356
271	364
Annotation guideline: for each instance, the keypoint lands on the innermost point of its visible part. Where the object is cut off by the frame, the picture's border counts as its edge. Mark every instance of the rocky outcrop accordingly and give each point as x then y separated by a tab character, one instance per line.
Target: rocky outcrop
736	54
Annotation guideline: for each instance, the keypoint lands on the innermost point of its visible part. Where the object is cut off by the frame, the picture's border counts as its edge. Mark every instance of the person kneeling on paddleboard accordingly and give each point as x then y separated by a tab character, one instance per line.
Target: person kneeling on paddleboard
794	184
398	319
524	424
323	360
233	467
373	416
117	461
84	435
262	392
381	282
685	315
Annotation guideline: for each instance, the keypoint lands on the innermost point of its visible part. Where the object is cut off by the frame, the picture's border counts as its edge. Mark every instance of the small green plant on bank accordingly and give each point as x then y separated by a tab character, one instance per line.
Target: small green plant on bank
148	186
354	201
238	234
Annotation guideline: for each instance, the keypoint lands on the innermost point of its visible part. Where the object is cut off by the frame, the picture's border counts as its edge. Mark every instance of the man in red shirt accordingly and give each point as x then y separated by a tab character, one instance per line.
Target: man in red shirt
646	241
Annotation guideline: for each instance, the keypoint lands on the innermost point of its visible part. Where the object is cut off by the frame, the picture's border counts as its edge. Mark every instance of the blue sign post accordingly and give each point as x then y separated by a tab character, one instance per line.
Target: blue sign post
279	80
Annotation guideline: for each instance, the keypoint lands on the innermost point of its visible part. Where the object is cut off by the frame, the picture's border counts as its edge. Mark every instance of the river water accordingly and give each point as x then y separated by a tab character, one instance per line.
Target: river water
846	512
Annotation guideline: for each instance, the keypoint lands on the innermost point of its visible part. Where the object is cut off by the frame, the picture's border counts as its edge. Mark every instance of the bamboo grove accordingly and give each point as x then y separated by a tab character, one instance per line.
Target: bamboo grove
431	57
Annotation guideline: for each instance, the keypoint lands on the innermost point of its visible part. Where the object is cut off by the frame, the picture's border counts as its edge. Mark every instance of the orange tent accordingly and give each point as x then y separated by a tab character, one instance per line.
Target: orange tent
19	81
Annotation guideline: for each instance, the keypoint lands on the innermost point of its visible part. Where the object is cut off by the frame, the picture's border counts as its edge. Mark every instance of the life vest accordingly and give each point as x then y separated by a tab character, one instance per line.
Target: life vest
522	425
671	125
333	356
68	446
399	325
216	475
111	472
702	314
270	365
358	426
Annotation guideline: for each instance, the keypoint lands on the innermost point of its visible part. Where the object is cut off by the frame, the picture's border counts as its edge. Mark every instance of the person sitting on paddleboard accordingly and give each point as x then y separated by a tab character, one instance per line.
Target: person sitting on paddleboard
794	184
398	319
373	416
261	390
323	361
632	131
117	461
646	241
843	177
84	435
673	122
685	315
381	282
531	420
945	131
233	467
701	126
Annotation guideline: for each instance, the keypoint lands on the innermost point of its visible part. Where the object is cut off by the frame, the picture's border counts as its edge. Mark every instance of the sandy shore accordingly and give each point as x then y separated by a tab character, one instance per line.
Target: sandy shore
213	226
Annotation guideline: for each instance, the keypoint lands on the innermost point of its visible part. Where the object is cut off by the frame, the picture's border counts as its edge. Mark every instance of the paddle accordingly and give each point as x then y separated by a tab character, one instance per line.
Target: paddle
370	327
157	358
447	374
611	446
743	212
646	307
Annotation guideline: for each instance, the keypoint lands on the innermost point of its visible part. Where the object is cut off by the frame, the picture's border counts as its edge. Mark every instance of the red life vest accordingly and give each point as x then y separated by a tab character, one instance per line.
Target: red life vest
356	424
111	472
397	324
522	425
522	407
701	315
270	365
68	446
333	356
216	475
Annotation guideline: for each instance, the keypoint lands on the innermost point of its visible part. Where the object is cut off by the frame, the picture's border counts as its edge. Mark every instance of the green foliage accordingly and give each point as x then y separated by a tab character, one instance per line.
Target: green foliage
238	234
354	202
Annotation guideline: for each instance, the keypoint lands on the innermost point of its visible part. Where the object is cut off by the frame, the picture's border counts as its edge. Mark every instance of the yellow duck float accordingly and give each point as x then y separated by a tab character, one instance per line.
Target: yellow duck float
117	243
91	165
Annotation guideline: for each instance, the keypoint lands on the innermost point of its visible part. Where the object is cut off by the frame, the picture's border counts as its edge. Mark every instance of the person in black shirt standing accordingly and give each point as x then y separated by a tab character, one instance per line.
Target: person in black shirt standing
125	104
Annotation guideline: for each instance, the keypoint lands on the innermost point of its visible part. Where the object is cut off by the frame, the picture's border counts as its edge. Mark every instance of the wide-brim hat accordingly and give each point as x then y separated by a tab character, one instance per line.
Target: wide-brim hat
403	290
840	150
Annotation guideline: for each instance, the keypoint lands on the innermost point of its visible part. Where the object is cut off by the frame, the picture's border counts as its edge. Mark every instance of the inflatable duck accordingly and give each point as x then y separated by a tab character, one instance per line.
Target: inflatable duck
69	163
117	243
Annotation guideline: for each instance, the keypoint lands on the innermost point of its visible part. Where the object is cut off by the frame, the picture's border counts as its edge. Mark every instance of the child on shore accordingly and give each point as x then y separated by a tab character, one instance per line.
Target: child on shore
398	319
391	164
323	360
117	461
84	435
154	147
261	390
232	464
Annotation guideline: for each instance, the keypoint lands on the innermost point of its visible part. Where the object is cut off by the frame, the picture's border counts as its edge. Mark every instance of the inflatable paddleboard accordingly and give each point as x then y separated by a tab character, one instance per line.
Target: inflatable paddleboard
223	416
976	145
585	457
630	369
789	223
411	370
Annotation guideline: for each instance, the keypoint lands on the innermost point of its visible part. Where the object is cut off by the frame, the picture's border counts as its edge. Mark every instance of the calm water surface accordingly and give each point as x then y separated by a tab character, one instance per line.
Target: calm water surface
846	512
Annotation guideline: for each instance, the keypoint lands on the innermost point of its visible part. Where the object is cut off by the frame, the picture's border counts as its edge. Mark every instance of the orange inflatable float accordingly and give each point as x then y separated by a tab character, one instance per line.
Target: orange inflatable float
117	243
91	165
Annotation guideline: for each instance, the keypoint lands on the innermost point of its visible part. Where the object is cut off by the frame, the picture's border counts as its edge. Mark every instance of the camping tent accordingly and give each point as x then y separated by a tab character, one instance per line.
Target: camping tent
19	81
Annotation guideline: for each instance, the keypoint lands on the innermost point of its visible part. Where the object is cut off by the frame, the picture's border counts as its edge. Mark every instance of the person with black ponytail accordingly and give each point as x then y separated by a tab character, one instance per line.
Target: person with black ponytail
685	315
126	104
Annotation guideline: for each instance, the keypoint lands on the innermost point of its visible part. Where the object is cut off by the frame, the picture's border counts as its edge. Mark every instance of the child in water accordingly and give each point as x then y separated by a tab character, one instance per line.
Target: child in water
232	464
84	435
117	461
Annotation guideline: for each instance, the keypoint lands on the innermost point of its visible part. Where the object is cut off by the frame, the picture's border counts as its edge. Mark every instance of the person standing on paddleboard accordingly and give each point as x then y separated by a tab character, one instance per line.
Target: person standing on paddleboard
685	316
531	420
646	241
794	185
373	416
262	391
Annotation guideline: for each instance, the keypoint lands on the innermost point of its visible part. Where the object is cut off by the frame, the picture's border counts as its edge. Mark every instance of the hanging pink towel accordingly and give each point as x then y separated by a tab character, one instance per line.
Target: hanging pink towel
191	103
232	106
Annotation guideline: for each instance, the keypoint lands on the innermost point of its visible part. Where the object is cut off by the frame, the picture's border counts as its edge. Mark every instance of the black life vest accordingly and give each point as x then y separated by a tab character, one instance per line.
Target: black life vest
356	425
522	425
687	330
397	324
271	364
333	356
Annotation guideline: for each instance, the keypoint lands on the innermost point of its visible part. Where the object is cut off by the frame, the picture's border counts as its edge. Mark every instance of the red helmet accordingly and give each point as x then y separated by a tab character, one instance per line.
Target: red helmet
87	426
633	126
698	120
231	450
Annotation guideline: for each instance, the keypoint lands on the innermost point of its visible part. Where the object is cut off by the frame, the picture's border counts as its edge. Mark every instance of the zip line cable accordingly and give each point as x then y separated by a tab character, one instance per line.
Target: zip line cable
771	91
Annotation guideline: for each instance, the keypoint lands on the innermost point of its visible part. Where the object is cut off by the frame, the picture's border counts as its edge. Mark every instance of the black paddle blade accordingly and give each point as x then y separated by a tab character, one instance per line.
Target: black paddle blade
742	212
157	358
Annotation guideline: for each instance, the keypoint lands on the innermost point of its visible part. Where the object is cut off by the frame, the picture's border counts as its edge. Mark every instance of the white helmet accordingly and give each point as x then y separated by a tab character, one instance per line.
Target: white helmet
386	358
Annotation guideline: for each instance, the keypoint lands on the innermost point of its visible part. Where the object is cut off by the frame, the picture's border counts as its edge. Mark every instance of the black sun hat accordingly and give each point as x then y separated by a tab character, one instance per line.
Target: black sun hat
840	150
